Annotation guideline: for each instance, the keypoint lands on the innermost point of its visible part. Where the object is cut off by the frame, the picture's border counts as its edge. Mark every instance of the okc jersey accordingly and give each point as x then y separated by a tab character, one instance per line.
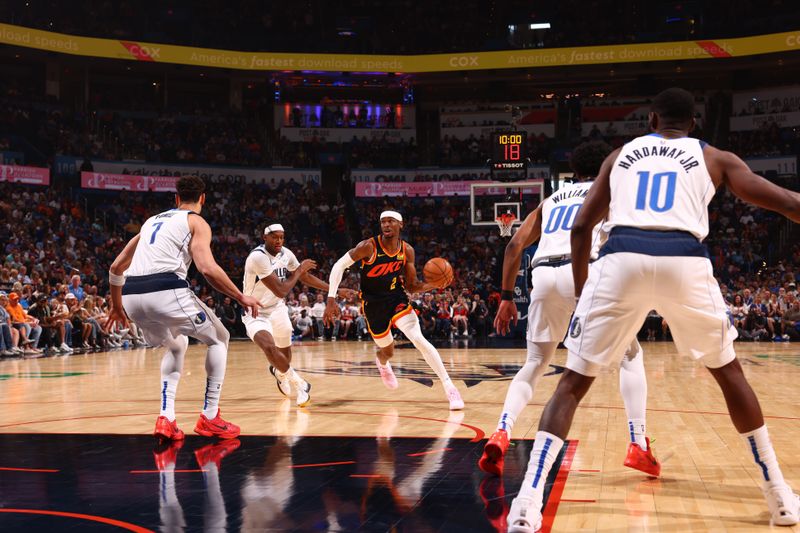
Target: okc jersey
260	264
163	245
381	274
559	212
661	184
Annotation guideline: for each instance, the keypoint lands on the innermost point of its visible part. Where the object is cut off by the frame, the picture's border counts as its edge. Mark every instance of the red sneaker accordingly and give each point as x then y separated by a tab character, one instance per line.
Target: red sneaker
216	427
495	506
494	452
168	430
643	460
216	452
167	453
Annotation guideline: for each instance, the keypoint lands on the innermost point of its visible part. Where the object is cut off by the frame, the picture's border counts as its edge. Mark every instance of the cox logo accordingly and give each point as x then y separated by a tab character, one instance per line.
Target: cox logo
793	40
141	52
464	61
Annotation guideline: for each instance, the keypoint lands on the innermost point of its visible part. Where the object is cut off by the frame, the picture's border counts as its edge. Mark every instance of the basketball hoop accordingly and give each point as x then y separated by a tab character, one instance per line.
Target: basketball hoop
506	223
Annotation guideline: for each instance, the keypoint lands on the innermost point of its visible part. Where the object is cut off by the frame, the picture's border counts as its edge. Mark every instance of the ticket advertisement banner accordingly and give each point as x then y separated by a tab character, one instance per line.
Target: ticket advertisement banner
127	182
27	175
438	174
754	122
268	61
378	189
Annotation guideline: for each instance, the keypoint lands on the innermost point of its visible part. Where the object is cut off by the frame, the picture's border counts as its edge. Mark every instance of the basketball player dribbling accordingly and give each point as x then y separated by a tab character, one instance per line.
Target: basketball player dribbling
551	305
155	294
387	272
654	194
270	272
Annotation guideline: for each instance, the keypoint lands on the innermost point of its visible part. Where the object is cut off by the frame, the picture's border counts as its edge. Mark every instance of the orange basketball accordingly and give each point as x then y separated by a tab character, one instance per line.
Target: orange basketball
438	272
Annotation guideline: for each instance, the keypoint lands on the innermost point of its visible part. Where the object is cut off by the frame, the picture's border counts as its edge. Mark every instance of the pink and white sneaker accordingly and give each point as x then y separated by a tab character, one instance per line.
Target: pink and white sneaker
387	375
454	397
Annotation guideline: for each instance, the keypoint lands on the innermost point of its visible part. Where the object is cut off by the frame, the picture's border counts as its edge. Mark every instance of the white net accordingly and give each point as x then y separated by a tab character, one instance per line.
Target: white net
506	224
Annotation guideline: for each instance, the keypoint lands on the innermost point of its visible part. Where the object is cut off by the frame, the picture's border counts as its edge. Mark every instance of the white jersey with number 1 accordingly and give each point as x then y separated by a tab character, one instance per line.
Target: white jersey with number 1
260	264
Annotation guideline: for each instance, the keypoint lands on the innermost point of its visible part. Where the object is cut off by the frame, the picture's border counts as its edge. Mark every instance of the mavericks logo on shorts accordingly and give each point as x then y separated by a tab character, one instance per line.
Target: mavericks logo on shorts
575	328
200	318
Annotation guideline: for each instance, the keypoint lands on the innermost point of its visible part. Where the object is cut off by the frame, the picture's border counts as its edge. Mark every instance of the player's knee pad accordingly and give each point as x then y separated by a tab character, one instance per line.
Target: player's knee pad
719	359
409	325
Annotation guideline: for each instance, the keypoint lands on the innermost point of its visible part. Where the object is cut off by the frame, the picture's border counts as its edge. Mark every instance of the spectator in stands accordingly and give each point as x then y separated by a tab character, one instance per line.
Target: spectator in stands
791	322
738	311
75	287
227	313
317	310
9	336
479	316
28	326
303	325
460	314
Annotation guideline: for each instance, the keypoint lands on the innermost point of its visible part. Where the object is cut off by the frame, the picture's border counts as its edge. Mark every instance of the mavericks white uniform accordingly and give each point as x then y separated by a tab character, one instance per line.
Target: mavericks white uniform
553	293
654	259
273	316
156	295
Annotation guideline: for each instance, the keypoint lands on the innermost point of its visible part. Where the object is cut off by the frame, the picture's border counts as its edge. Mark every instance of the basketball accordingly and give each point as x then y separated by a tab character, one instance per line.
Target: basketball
438	272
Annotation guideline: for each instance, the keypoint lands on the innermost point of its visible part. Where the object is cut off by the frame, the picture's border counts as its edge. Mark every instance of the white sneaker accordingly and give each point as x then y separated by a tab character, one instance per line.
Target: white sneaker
65	348
524	516
456	403
784	505
303	392
284	384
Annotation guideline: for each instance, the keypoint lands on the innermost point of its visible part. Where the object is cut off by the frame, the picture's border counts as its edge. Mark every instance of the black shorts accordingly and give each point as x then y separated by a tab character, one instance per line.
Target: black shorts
382	314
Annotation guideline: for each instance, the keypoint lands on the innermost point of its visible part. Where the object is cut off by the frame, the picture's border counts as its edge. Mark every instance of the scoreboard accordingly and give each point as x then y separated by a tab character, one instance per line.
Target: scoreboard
508	150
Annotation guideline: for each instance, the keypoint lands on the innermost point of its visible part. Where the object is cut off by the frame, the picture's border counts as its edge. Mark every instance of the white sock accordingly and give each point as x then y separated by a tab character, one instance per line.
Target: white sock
760	446
213	391
169	385
633	388
546	448
522	386
636	428
295	377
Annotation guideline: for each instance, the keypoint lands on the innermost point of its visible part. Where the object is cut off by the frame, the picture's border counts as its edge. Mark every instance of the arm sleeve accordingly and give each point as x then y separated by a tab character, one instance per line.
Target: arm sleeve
337	272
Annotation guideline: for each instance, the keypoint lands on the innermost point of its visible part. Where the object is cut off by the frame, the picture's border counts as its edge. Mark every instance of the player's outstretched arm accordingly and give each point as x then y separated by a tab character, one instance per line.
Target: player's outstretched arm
200	248
363	250
594	209
313	281
282	288
529	232
116	314
749	186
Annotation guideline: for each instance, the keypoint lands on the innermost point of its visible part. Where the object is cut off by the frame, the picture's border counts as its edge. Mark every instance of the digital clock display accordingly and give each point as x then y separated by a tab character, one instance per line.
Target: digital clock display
508	150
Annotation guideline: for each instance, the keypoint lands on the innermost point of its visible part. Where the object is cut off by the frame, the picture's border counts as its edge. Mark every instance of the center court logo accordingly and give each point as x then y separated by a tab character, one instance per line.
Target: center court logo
575	328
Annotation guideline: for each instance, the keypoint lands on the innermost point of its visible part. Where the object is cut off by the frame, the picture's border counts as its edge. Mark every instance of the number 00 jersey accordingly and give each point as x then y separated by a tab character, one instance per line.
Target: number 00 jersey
163	245
661	184
559	212
381	274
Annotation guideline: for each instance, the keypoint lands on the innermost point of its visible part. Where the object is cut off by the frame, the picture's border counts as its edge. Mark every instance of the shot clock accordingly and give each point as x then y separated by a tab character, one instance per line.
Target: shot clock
508	150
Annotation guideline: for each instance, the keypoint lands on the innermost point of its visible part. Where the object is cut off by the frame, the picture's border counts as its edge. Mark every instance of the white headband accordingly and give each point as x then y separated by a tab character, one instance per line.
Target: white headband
392	214
273	227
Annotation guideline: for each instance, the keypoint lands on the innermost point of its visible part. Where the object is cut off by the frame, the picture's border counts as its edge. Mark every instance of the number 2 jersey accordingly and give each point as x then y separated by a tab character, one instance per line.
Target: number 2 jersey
661	184
381	274
163	245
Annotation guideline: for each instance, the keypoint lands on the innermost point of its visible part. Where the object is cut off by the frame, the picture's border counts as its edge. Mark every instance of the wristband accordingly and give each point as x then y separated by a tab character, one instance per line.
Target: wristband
507	295
115	280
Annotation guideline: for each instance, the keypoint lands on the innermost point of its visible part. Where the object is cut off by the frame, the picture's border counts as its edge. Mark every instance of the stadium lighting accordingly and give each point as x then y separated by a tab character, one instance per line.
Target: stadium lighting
540	26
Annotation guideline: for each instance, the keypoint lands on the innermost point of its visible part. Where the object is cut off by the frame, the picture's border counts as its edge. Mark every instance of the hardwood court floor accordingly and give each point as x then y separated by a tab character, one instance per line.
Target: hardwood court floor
708	482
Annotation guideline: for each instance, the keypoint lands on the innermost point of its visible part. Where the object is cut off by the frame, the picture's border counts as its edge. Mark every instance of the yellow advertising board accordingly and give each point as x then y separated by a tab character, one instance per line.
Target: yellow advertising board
508	59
